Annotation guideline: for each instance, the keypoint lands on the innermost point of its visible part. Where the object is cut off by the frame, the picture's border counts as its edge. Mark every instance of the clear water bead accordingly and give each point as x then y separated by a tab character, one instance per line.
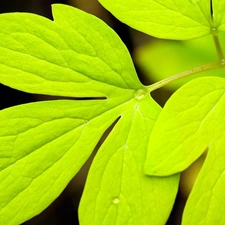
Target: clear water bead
116	200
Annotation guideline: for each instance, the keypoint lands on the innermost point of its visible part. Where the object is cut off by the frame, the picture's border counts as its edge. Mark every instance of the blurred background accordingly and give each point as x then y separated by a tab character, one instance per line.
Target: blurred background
154	60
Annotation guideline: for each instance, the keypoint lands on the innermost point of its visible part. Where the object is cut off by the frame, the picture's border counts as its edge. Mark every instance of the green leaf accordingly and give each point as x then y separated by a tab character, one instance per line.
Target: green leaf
75	55
192	120
206	204
43	145
169	19
117	191
175	57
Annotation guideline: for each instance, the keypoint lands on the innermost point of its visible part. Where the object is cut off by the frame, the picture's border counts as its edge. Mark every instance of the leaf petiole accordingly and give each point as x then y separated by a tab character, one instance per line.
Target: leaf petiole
186	73
217	43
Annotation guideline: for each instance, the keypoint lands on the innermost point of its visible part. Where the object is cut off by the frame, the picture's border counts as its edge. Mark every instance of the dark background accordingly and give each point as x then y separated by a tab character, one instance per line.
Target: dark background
63	211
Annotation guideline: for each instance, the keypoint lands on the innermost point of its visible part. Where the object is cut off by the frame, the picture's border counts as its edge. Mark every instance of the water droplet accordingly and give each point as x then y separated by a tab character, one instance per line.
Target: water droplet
140	93
116	200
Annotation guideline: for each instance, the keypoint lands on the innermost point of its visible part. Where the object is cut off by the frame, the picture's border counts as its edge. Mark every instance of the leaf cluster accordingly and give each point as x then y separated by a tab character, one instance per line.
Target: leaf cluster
134	177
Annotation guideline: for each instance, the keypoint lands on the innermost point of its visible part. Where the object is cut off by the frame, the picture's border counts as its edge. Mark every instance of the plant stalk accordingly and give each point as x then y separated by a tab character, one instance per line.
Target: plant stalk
195	70
217	44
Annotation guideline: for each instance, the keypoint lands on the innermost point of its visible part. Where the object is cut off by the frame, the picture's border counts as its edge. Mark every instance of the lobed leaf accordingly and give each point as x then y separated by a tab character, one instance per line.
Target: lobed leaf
75	55
192	120
168	19
117	191
206	203
43	145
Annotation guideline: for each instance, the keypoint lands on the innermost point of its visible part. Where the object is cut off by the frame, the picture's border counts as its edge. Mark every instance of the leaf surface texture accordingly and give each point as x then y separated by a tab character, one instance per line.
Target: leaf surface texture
117	191
191	121
43	145
169	19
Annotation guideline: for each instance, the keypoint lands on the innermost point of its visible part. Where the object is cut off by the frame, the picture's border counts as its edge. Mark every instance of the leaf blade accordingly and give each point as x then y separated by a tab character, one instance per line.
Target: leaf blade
185	121
63	65
117	191
164	19
34	171
198	123
206	201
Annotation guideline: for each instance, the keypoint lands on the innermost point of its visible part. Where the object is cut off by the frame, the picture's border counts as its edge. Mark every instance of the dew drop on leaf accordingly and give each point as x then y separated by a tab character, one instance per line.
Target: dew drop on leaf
116	200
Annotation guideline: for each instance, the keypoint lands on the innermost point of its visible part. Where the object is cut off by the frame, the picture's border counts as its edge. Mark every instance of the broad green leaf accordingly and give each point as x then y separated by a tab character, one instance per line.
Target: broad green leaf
206	204
43	145
169	19
193	120
75	55
162	58
117	191
190	121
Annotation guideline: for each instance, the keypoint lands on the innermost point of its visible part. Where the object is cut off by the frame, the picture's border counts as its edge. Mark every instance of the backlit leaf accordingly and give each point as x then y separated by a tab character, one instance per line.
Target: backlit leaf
75	55
117	190
170	19
193	120
43	145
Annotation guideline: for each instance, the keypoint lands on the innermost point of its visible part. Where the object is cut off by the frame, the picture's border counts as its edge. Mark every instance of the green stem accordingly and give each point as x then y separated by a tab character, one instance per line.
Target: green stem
195	70
217	43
